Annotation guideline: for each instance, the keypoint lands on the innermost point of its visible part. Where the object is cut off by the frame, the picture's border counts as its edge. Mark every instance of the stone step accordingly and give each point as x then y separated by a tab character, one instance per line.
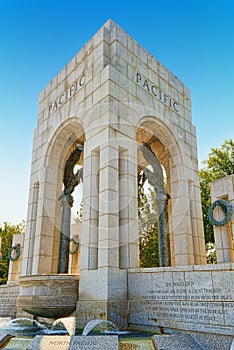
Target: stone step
175	342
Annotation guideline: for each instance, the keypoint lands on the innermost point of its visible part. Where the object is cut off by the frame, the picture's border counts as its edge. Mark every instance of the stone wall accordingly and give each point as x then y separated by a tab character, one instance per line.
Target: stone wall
192	298
8	296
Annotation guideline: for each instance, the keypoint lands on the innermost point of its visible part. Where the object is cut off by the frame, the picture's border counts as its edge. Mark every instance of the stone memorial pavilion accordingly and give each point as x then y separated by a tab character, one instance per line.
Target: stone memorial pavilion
111	113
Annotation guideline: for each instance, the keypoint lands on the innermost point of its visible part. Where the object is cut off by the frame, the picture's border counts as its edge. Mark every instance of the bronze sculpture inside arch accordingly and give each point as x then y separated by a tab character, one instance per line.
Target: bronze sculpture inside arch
156	180
70	181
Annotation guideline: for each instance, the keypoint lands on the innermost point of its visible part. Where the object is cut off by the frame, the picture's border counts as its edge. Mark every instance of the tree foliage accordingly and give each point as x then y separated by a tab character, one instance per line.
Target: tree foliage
6	234
148	228
220	163
211	253
205	179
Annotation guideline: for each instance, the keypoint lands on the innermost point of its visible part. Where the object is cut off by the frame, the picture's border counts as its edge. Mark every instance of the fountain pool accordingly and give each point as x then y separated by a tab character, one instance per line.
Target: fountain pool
24	330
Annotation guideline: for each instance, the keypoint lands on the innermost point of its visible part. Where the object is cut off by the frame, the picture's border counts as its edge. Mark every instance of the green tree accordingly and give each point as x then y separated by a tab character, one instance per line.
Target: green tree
220	163
211	253
6	234
205	179
149	250
147	226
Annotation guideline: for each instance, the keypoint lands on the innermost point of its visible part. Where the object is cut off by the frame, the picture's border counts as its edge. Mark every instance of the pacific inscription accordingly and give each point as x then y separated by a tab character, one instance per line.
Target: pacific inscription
145	83
67	94
156	92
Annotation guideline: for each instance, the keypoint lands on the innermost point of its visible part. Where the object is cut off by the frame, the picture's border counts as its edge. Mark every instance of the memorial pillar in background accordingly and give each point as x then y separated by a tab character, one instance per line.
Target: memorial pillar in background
224	234
64	234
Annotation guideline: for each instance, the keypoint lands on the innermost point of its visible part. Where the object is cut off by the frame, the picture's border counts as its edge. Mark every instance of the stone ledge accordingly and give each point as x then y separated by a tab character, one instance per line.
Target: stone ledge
208	267
44	277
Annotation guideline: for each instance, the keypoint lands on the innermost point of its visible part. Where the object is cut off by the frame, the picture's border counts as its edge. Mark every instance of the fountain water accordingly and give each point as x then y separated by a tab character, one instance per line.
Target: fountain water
28	320
25	329
68	322
23	326
98	322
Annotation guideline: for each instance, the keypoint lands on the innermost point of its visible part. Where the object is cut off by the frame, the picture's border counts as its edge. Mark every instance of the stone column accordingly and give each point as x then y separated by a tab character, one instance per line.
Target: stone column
108	233
33	227
123	210
66	204
109	228
164	254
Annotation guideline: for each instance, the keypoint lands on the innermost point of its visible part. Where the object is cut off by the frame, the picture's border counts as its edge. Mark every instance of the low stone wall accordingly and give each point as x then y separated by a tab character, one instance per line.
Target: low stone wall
191	298
8	296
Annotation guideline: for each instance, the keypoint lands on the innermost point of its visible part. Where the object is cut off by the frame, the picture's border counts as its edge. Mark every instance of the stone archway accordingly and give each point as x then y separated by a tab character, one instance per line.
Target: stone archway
43	234
185	239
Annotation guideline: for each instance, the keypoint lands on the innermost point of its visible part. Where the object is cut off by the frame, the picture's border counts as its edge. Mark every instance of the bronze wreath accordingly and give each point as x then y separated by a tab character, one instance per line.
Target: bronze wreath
16	248
226	208
73	251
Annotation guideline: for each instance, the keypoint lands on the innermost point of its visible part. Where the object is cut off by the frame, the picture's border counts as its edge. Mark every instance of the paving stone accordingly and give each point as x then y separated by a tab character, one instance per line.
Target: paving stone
175	342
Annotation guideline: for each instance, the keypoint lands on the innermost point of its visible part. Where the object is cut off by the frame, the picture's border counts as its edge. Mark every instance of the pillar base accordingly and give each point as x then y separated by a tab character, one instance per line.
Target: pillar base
106	298
115	311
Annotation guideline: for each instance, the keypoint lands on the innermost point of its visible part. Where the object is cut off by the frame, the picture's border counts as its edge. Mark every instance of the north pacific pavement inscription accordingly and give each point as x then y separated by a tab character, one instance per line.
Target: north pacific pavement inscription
74	343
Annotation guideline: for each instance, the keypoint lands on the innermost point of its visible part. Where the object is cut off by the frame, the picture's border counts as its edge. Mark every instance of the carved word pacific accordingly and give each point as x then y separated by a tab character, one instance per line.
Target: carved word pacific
66	95
155	91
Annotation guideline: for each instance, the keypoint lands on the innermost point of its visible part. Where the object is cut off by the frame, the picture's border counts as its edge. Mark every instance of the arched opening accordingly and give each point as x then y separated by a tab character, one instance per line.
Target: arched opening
49	217
153	133
153	215
72	177
76	220
69	201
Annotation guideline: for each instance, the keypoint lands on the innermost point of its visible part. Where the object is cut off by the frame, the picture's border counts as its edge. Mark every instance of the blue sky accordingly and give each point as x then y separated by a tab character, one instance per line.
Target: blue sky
192	38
